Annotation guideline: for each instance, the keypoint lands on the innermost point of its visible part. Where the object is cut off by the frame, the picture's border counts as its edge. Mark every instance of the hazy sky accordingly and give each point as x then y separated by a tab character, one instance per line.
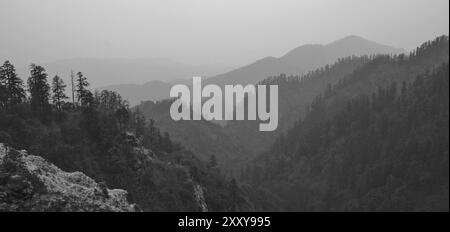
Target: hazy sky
230	32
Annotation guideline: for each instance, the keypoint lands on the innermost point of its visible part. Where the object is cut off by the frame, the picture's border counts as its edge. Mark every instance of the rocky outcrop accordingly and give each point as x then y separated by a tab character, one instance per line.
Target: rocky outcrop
30	183
200	197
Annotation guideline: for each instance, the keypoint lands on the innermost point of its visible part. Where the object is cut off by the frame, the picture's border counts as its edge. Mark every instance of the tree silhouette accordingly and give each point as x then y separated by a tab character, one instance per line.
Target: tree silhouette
39	90
72	82
12	85
58	89
82	92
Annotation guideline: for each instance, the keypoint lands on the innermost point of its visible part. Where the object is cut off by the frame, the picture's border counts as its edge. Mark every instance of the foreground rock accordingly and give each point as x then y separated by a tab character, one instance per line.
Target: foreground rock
30	183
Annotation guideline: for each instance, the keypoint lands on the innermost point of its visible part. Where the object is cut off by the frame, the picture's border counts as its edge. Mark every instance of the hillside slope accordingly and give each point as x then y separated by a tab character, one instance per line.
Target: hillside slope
376	141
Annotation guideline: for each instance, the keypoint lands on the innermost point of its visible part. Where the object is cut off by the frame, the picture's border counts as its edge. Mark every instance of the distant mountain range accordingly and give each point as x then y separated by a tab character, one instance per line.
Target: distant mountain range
298	61
102	72
153	90
303	59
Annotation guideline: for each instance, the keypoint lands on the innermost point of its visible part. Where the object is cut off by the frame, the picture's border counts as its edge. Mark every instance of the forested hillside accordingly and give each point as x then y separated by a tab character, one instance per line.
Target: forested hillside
238	142
376	141
98	135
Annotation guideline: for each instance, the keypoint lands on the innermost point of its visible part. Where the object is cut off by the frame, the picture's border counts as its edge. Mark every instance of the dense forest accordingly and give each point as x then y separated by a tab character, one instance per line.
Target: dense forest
234	143
96	133
375	141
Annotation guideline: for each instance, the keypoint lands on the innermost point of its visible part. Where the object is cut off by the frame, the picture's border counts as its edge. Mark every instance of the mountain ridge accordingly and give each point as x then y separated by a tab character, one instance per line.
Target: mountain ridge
297	61
107	71
303	59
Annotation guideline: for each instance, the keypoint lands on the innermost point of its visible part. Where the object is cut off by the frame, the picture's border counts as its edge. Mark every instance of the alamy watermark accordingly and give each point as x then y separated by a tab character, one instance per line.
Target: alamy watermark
236	97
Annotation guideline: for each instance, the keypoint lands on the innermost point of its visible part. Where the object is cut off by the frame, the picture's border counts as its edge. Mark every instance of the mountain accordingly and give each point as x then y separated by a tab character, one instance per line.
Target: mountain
255	72
310	57
240	141
303	59
32	184
299	61
103	72
134	93
295	93
375	141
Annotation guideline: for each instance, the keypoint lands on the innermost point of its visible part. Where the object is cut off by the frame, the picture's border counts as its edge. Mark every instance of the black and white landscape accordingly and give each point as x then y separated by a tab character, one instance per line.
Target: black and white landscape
363	106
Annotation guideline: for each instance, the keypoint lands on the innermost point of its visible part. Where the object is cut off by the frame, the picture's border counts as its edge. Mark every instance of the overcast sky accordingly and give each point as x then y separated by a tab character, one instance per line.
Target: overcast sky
229	32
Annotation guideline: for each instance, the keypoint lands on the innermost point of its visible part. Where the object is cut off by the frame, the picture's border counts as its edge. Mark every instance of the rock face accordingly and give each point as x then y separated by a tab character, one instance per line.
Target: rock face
30	183
200	197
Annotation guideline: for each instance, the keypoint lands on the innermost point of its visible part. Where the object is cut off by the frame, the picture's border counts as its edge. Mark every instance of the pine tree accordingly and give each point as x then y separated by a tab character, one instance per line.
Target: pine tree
39	90
58	89
13	91
3	95
3	91
72	81
82	92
